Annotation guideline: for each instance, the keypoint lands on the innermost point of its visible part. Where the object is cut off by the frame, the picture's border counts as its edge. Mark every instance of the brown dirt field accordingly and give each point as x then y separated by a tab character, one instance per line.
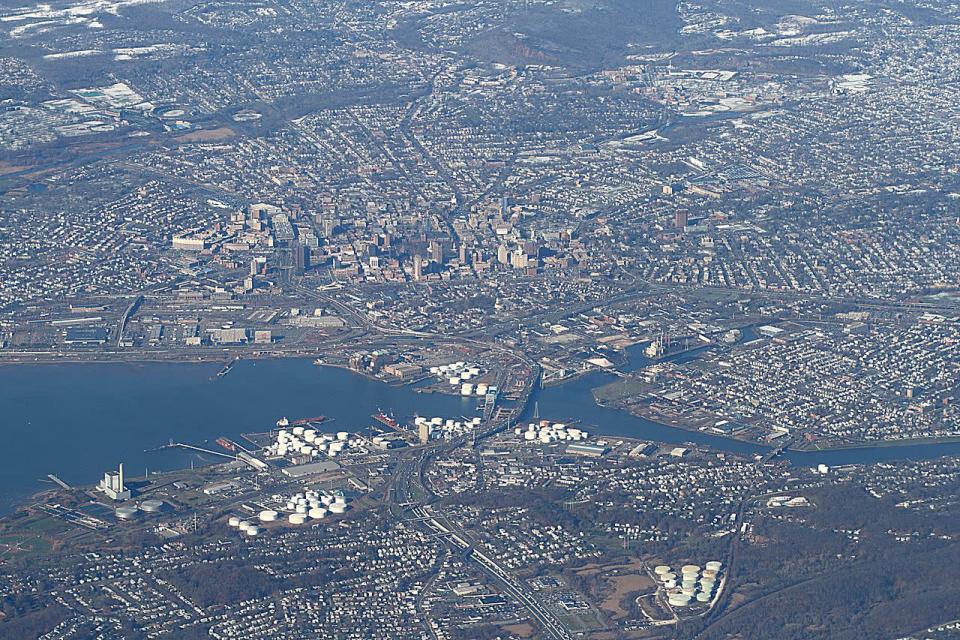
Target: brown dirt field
207	135
622	587
6	167
524	630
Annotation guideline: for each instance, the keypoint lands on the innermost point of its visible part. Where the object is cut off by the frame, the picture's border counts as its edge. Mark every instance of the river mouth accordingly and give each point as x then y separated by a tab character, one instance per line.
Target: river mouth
574	401
77	420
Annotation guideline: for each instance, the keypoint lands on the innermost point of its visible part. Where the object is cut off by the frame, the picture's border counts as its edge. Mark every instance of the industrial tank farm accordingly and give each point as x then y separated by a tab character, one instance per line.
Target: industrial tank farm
445	428
464	378
546	432
302	444
695	586
298	509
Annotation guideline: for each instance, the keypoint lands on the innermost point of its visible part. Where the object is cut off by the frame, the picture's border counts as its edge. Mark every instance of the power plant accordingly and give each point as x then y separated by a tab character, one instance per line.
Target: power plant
112	485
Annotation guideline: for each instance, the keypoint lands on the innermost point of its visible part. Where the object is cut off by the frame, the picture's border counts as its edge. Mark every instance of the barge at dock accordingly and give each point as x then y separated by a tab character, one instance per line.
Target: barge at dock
229	445
284	422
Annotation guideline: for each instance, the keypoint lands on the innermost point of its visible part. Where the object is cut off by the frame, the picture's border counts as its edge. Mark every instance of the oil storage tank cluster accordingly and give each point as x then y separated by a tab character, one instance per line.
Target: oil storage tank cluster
314	505
301	444
439	427
298	509
459	374
244	526
547	432
692	585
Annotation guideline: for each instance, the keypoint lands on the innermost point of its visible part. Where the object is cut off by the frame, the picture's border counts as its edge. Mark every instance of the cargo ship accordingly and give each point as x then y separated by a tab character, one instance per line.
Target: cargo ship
384	419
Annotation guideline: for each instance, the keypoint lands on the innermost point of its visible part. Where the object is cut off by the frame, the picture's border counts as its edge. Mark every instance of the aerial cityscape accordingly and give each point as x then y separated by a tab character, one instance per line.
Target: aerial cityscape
476	320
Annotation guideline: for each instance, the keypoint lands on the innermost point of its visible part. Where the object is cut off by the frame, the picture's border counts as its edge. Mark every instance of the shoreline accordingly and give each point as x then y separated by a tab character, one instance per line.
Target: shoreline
144	359
793	447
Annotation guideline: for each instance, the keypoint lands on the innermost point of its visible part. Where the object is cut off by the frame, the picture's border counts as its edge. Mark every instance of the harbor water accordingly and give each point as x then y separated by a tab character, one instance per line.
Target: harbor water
78	420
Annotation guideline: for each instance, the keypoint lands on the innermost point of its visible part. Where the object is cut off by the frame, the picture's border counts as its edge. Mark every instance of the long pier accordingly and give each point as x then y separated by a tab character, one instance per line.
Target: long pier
191	447
228	367
59	481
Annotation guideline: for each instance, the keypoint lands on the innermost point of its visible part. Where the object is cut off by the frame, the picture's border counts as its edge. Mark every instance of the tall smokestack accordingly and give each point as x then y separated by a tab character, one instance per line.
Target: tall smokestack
120	488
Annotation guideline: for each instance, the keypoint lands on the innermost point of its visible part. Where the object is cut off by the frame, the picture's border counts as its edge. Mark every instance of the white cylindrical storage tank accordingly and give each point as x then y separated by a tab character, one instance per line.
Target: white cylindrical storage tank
252	531
298	431
690	568
703	597
244	525
529	435
715	565
669	583
342	435
338	507
151	506
453	380
297	518
316	513
466	389
326	499
680	600
474	371
268	515
234	521
126	512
